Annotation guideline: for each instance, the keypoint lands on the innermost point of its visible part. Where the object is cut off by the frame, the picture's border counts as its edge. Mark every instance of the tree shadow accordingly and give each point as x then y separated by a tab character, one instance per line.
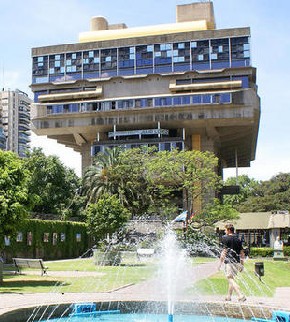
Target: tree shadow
12	285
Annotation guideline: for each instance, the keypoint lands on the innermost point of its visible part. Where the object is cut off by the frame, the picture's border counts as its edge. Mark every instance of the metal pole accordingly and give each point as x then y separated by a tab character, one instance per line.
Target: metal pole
236	163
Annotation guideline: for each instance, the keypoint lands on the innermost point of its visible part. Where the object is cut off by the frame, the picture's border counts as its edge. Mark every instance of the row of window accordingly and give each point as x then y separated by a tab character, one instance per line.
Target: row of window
218	98
160	146
143	59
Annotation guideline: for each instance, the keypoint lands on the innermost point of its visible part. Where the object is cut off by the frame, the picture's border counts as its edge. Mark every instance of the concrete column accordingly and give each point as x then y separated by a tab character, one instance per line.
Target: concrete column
1	272
86	156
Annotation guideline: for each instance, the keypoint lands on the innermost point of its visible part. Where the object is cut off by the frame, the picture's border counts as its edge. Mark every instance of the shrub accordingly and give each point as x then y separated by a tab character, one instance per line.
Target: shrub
261	252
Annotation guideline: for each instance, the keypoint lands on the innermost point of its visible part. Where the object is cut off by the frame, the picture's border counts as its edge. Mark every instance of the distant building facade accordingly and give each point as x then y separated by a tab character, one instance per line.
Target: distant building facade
185	85
261	229
15	116
2	139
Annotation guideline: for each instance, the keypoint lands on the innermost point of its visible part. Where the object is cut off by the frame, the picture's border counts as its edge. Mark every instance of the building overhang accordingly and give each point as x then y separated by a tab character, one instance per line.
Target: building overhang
205	86
57	97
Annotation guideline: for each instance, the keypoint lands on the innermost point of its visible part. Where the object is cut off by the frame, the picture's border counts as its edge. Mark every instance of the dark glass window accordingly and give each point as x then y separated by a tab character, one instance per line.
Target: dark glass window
40	66
144	59
163	101
91	63
196	99
177	100
185	99
206	98
73	64
108	62
219	53
200	51
181	56
56	64
219	49
126	56
163	58
240	48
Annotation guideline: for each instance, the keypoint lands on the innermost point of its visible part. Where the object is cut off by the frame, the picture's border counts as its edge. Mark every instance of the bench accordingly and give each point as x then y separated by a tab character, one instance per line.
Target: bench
9	269
145	252
29	263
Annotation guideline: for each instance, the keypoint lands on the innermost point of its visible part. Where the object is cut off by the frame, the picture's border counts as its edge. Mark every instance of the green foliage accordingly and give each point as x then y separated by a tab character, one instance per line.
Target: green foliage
261	252
212	213
106	216
97	179
286	250
147	181
189	172
248	188
14	196
270	195
68	248
53	185
267	251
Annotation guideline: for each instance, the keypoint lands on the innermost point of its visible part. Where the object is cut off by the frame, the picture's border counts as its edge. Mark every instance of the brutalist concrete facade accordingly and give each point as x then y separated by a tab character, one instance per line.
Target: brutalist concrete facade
184	85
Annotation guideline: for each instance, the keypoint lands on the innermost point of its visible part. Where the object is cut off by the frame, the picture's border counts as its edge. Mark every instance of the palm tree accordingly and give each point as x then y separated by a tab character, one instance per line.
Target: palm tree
97	180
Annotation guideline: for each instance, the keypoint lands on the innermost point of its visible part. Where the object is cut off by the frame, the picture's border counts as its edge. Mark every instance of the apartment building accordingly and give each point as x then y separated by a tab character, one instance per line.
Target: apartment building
15	115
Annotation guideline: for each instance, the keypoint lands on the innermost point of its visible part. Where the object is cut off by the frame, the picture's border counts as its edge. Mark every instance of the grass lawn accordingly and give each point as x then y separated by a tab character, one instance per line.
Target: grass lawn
276	275
107	278
102	279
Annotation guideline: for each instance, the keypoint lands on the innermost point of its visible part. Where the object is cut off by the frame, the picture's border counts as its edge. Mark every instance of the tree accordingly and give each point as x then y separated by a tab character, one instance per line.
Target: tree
106	216
189	172
147	181
248	188
121	173
54	186
212	213
270	195
14	197
129	173
97	180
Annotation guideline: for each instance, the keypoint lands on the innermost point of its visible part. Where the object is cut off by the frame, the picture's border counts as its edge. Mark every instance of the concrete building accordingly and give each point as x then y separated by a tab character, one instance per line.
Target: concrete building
15	112
2	139
184	85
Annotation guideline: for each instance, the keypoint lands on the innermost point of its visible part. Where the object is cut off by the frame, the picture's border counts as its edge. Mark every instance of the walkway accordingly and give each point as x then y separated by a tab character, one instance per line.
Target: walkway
145	291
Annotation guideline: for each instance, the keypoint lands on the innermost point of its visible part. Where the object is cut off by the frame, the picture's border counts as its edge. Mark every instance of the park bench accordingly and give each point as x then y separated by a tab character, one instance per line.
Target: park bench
9	269
145	252
29	263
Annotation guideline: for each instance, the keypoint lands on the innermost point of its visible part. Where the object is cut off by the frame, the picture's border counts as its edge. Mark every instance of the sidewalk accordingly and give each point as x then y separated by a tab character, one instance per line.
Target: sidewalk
148	290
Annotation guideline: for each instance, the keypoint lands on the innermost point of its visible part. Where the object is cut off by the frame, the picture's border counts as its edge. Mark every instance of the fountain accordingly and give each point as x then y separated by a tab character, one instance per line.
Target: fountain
174	268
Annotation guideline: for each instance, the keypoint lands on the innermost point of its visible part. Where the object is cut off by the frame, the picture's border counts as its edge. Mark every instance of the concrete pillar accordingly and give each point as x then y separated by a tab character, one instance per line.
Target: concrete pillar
1	272
86	156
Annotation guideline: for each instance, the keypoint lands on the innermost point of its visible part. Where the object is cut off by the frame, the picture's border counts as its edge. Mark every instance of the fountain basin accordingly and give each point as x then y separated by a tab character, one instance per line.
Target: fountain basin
196	308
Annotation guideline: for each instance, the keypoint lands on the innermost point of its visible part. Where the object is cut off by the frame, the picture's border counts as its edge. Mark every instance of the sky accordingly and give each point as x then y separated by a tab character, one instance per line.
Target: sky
35	23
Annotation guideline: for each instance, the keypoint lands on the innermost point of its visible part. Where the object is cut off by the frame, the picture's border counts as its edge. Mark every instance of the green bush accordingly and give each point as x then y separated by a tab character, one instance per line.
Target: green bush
261	252
286	250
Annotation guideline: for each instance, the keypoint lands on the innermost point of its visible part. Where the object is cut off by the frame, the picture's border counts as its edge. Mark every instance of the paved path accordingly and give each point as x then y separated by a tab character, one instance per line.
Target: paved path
149	290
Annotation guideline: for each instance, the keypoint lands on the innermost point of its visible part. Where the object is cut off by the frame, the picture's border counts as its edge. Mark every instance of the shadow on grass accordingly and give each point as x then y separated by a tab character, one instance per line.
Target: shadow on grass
13	286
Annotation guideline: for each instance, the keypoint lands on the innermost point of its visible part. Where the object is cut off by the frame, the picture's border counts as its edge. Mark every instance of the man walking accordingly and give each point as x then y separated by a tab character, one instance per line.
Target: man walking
232	256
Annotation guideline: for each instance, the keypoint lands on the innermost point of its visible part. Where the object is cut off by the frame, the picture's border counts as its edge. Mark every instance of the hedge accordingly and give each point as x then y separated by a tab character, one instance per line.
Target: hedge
267	251
48	239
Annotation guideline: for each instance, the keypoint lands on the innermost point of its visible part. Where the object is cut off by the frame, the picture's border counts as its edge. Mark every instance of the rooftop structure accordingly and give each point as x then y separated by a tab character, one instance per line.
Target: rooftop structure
185	85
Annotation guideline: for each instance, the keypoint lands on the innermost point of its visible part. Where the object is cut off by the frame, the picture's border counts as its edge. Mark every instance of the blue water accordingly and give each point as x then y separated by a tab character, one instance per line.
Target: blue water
144	317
